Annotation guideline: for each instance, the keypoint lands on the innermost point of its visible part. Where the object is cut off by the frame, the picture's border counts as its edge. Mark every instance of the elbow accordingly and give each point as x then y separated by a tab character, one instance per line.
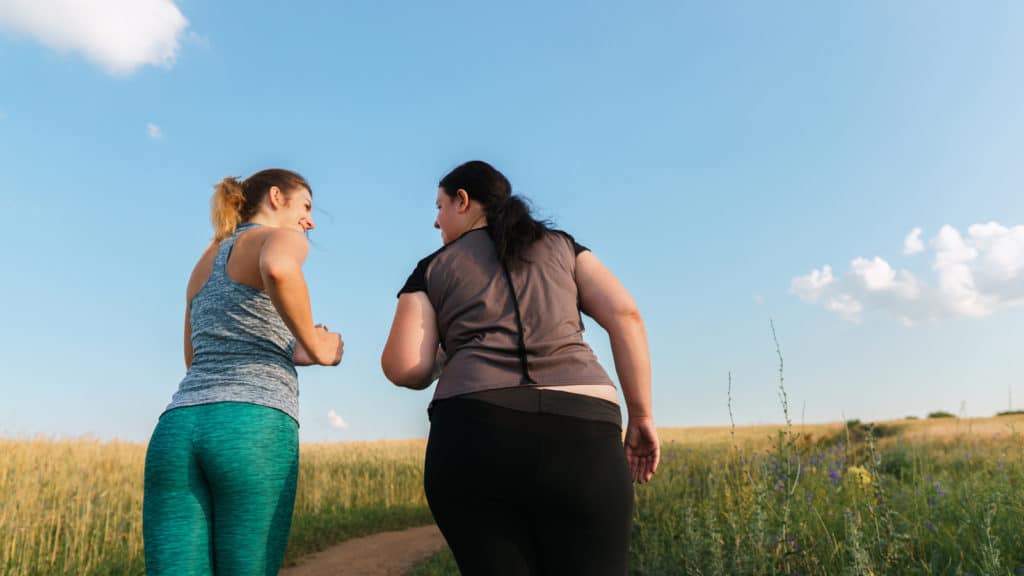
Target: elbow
630	314
403	376
393	375
408	380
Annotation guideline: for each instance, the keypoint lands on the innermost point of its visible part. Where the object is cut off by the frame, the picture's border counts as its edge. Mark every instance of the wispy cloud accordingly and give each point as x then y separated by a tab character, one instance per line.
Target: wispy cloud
335	421
975	275
154	131
119	35
912	244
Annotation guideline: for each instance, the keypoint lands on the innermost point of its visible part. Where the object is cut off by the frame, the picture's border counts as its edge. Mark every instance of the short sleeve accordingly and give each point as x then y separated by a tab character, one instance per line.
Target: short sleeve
417	281
577	248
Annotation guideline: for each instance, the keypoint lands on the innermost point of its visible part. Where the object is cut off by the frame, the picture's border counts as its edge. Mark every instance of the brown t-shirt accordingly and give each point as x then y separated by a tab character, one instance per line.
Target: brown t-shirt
502	327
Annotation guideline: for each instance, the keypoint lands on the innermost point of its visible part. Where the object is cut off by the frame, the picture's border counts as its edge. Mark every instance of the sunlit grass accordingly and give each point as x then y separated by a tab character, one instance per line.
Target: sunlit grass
937	498
942	496
75	506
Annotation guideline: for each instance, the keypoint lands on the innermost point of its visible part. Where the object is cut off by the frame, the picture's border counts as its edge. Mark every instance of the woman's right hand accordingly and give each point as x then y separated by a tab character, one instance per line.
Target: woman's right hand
331	346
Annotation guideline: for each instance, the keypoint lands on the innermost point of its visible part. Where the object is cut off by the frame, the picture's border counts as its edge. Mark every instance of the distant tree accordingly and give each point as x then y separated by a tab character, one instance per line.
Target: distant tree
940	414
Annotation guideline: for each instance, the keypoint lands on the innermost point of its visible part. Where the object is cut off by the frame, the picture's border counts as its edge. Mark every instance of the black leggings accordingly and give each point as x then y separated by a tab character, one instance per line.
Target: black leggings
521	493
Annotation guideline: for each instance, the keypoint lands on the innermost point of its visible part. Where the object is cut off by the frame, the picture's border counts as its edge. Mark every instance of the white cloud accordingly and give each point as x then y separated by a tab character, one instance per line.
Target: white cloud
975	275
954	259
119	35
912	244
336	421
876	275
1002	250
846	306
758	299
809	288
154	131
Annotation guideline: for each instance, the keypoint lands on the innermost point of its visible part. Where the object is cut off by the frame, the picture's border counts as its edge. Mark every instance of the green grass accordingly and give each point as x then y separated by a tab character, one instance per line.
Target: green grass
929	498
440	564
811	506
902	508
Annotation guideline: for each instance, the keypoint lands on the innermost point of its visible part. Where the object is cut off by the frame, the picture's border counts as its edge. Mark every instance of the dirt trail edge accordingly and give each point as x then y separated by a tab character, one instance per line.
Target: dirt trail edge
382	554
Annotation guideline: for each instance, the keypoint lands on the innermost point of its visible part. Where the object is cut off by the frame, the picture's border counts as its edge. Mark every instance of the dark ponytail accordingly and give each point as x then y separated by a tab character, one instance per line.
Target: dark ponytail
511	225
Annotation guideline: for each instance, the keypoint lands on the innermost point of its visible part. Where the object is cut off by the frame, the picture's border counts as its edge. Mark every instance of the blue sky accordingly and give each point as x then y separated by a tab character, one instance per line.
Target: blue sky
717	156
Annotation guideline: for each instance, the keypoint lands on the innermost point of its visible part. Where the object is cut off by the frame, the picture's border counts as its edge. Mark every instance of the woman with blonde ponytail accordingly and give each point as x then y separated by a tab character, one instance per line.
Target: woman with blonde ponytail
222	463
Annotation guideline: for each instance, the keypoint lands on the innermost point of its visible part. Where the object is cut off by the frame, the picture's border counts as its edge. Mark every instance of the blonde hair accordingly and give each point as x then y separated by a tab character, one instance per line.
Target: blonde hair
226	207
235	201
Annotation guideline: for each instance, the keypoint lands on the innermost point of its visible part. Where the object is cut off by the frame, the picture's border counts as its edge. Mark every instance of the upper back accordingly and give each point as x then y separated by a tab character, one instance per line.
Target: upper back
243	265
507	325
228	310
469	287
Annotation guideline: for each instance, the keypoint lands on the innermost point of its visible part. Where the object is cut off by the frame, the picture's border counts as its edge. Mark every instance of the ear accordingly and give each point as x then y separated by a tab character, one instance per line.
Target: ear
276	197
461	201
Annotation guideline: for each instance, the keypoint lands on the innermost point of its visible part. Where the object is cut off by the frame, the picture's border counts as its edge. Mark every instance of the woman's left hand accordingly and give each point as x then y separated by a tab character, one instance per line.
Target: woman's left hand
643	450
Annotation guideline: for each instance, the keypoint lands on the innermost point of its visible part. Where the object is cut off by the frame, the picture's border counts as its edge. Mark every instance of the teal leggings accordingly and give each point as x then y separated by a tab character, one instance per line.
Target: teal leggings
220	487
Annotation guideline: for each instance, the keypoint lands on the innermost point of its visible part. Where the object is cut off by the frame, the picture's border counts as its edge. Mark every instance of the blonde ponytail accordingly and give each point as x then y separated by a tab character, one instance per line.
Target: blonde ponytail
226	207
235	201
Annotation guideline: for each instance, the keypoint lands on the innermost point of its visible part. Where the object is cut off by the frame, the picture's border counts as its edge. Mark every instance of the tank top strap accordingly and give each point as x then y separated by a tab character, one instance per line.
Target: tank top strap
220	263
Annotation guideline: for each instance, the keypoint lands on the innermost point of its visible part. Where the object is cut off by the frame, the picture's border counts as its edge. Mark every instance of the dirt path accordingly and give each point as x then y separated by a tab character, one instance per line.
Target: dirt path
383	554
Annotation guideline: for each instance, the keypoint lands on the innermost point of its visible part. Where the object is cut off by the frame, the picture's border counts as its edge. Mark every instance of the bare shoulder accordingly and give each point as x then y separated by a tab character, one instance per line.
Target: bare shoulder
285	235
589	264
201	271
284	240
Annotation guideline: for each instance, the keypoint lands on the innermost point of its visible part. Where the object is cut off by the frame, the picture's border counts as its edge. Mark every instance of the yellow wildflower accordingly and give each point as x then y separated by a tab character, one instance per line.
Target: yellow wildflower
860	473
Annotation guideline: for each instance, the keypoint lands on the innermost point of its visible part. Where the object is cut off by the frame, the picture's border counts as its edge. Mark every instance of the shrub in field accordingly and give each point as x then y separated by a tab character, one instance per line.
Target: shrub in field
856	432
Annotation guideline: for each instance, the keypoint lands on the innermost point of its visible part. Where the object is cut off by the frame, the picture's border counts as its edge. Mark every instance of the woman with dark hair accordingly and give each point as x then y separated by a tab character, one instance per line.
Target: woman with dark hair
222	464
525	468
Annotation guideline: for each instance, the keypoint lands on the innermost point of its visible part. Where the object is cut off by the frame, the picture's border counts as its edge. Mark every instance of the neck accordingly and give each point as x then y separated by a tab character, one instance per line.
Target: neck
261	218
480	222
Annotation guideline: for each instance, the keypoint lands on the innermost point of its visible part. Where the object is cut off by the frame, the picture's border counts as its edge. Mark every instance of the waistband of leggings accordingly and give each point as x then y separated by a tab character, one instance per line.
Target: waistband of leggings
546	401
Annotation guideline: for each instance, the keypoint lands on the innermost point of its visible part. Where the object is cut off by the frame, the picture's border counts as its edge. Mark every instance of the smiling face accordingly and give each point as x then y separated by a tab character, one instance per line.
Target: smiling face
294	209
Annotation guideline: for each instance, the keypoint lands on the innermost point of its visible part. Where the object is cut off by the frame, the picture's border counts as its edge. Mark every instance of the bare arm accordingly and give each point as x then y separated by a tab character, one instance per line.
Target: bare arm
411	355
281	259
606	300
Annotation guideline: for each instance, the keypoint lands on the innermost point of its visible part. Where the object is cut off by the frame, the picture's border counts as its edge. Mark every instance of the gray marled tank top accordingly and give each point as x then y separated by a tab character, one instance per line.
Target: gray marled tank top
241	348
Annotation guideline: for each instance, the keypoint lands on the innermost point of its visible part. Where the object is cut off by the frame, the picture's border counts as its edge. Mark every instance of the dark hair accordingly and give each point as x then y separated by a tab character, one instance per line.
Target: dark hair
235	201
509	221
